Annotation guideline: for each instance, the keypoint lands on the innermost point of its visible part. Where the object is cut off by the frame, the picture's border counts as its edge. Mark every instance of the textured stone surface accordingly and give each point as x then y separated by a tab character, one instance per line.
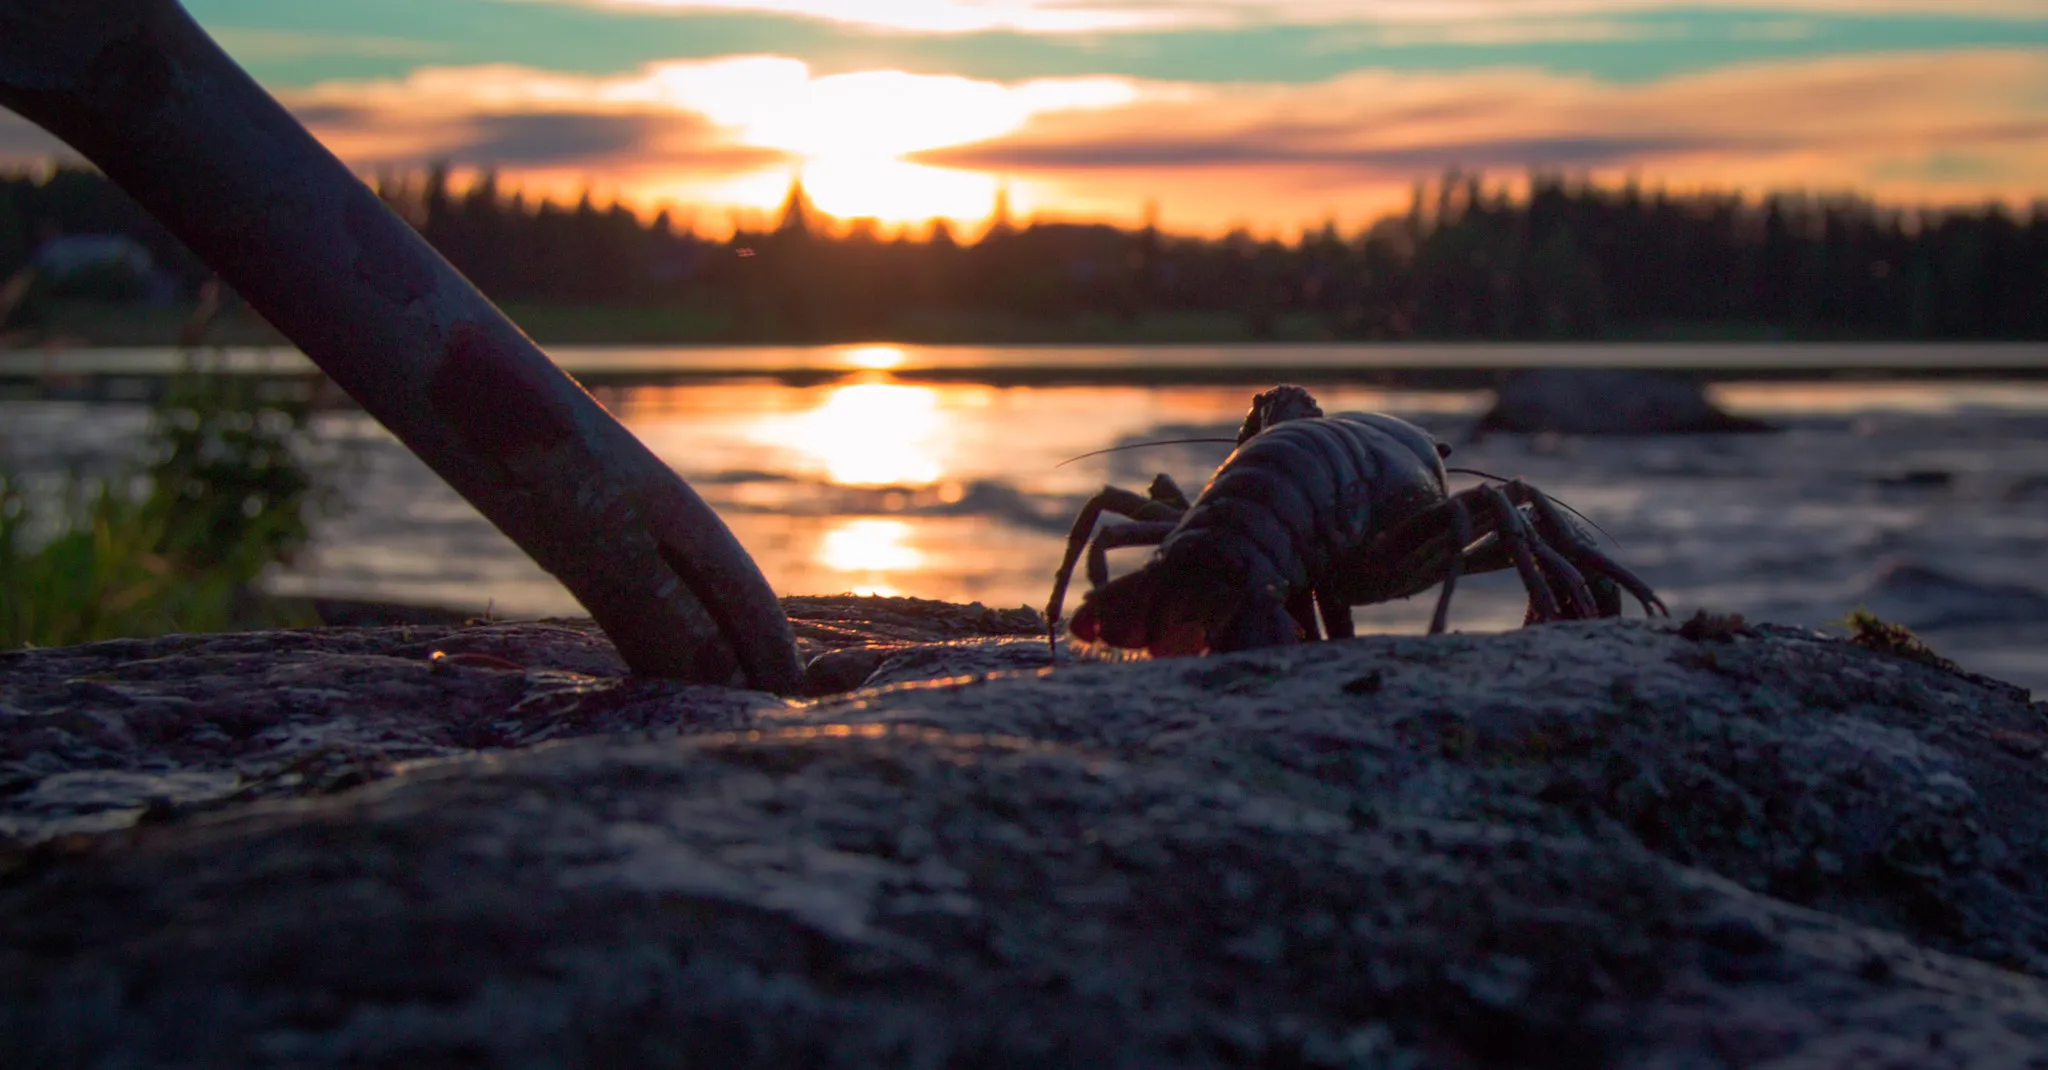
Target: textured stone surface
97	737
1611	843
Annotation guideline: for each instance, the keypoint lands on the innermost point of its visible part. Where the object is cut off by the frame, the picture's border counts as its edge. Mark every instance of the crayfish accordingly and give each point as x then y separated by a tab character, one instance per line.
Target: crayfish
1314	514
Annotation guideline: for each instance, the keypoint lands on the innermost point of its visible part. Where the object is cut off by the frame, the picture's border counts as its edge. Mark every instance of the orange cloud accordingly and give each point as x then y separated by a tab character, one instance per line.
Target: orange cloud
941	16
1941	127
719	134
727	135
518	120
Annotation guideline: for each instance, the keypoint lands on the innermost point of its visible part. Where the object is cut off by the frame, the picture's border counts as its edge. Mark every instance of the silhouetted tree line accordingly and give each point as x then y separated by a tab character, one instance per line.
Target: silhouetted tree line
1560	258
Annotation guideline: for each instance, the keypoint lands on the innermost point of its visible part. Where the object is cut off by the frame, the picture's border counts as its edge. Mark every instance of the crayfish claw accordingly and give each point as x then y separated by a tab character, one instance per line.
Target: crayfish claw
1574	544
1521	544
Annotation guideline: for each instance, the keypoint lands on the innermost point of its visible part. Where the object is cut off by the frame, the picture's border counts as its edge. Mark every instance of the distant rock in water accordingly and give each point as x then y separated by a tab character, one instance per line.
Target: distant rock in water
1606	401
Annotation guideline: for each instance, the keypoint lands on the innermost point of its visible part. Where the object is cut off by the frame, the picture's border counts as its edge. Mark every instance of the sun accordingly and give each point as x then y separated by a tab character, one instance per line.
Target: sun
853	130
897	192
850	135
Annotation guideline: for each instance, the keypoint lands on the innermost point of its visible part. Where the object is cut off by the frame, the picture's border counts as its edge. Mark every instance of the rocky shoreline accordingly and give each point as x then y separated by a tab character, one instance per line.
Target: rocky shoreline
1607	843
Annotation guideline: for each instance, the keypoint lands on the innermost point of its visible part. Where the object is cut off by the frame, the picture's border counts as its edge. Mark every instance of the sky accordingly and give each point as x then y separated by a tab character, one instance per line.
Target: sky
1208	114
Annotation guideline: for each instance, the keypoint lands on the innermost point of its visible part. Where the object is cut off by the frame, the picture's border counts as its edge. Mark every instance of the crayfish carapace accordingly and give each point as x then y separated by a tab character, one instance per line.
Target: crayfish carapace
1310	516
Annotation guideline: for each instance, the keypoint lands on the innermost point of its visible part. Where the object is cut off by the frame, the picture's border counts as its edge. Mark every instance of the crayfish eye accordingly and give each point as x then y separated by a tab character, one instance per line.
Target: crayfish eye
1443	449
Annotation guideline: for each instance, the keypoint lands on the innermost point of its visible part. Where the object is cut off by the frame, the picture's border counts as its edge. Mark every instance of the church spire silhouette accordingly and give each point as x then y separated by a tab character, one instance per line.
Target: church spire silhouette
797	210
999	214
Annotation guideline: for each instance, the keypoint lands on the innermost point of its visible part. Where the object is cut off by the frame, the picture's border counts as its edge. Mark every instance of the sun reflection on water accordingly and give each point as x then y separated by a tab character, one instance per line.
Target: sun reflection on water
867	550
878	358
869	544
867	434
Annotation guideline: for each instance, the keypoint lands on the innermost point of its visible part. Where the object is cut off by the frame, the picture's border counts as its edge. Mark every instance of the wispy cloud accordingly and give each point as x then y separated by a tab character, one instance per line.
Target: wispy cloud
1154	154
1875	124
593	142
1099	16
518	119
768	102
1326	11
729	133
1300	42
1270	142
1489	32
1850	106
725	133
934	16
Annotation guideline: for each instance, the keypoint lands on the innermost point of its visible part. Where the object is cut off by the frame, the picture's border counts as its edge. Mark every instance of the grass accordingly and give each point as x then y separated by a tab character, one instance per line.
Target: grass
1872	632
175	543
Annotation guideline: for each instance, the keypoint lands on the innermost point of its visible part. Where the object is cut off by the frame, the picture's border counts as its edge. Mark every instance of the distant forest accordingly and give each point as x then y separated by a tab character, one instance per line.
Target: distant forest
1553	258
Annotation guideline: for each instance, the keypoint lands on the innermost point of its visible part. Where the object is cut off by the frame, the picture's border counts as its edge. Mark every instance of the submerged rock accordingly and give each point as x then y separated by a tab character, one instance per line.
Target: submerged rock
1605	401
1571	845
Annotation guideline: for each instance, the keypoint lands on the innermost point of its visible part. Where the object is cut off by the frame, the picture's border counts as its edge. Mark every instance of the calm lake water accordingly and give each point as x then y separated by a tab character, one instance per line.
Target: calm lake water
1926	502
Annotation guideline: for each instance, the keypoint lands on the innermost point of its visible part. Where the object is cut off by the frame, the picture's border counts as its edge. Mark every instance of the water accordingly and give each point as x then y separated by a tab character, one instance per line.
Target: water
1924	502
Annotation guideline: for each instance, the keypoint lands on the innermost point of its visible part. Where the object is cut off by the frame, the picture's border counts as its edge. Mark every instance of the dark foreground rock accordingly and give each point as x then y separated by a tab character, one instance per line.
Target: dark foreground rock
1606	401
1616	843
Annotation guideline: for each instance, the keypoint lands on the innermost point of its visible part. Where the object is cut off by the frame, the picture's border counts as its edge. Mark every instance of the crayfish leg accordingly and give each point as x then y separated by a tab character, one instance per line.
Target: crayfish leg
1165	491
1517	539
1301	605
1461	535
1160	507
1336	614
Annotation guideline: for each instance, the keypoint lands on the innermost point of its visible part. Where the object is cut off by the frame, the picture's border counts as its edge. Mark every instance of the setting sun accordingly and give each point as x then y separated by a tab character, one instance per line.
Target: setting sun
847	135
897	192
1200	116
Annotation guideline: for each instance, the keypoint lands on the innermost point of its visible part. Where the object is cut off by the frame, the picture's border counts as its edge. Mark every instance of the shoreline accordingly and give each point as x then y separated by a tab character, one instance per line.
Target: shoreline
89	325
115	373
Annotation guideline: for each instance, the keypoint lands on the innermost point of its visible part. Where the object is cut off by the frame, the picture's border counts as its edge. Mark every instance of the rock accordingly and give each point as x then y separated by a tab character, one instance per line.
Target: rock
1605	401
1570	845
94	737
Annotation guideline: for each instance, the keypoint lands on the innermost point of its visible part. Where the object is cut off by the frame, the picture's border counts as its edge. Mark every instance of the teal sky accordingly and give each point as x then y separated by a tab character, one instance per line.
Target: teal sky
1221	112
385	38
